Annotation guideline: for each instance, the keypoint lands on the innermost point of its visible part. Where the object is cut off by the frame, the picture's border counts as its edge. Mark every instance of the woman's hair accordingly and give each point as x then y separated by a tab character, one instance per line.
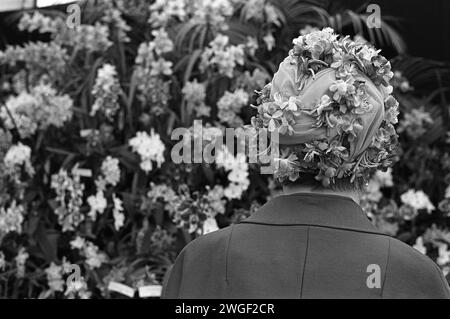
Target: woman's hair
341	184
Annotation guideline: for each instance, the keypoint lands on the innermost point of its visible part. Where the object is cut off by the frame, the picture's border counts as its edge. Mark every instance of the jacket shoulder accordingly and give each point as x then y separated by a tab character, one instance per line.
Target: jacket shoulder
410	274
209	242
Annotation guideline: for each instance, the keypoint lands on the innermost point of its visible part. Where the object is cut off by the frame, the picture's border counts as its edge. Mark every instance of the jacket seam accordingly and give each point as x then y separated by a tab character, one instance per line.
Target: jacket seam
317	225
386	268
227	253
304	262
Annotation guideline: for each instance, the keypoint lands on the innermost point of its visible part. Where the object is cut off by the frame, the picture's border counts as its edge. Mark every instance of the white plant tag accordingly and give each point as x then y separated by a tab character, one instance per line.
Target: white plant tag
150	291
121	288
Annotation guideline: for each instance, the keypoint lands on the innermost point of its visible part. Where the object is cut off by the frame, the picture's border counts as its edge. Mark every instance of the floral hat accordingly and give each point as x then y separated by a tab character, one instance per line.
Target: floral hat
331	103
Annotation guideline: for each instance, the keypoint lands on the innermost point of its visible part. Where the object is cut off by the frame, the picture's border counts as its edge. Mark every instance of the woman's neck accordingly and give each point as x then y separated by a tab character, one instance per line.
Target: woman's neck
292	189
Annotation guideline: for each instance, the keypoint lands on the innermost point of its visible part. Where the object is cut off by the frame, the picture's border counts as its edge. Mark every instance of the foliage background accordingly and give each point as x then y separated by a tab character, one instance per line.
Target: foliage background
146	66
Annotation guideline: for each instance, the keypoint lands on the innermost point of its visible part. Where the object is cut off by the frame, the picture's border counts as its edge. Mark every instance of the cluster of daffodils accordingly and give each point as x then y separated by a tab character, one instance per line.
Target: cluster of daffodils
69	198
339	109
237	168
106	91
150	149
230	105
37	110
221	56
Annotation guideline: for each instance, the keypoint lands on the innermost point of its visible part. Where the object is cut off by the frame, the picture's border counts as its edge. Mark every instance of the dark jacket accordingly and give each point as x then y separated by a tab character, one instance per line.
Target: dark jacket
303	246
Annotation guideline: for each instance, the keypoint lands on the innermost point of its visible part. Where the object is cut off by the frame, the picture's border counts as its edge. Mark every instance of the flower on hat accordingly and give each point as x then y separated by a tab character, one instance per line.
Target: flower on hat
360	81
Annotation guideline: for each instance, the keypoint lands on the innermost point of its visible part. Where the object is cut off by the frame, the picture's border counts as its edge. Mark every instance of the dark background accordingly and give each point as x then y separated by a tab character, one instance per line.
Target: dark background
424	24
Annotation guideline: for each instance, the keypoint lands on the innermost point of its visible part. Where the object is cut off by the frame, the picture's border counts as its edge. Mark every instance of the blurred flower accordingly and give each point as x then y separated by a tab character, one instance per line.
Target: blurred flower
213	13
210	225
419	245
269	40
17	157
415	122
78	288
238	172
417	200
195	94
119	217
11	219
161	42
161	11
113	16
164	193
39	58
39	109
149	147
229	105
55	277
444	254
97	203
111	171
94	257
222	56
2	261
21	259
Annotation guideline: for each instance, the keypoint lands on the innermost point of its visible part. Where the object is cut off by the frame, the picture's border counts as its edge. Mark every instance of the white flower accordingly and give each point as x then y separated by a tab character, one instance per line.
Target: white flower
162	42
97	203
210	225
269	40
77	243
149	147
444	254
417	200
77	287
221	55
94	257
238	172
419	245
111	171
367	53
119	217
106	91
17	156
39	109
11	219
230	104
55	277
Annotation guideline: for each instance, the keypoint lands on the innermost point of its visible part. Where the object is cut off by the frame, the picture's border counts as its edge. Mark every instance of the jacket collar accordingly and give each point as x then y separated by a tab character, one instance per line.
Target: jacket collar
323	210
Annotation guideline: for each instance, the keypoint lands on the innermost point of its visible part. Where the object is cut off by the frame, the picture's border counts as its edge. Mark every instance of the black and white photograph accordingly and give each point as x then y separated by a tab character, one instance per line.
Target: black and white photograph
228	153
